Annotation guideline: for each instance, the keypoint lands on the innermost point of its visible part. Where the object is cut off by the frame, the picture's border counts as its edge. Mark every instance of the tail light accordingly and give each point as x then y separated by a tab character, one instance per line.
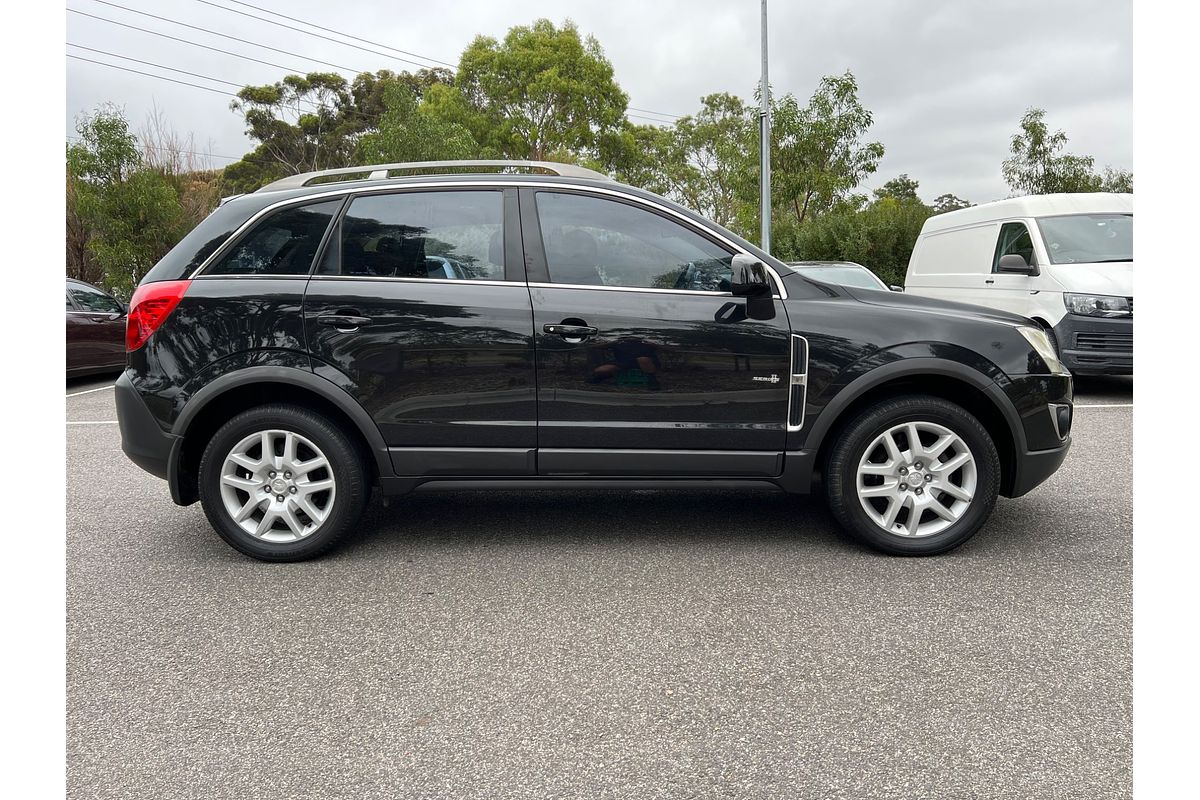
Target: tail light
149	308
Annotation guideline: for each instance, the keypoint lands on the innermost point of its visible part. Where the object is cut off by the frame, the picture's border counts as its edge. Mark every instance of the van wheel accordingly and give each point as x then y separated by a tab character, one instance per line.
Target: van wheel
281	483
915	475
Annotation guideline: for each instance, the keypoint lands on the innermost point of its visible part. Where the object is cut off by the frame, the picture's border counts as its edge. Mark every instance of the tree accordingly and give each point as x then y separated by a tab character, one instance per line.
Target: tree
542	93
818	152
127	214
1038	165
310	122
901	187
880	235
949	202
407	133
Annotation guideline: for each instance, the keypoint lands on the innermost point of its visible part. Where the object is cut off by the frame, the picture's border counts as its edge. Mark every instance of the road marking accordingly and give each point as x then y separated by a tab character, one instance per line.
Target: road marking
93	422
89	391
1104	405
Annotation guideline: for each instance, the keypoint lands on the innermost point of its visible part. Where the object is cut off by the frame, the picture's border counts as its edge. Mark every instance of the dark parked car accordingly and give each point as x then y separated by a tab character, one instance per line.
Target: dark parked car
305	345
95	330
842	273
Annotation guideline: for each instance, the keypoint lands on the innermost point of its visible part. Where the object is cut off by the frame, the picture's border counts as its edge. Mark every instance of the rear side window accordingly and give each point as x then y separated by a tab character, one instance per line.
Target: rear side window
93	300
447	235
284	243
591	241
1014	240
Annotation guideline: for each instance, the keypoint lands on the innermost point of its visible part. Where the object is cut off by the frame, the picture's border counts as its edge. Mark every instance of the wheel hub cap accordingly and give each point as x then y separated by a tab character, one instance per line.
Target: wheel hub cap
277	486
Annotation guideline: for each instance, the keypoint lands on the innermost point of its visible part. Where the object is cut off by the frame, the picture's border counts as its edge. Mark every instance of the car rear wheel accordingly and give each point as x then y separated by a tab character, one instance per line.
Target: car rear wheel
281	483
915	475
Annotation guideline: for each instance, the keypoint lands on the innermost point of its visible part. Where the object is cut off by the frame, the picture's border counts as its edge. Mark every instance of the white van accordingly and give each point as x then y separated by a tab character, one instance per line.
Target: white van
1064	260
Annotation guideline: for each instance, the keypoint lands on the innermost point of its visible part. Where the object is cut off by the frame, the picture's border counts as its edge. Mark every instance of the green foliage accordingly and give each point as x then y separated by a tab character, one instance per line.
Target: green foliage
127	214
818	153
542	93
406	133
1038	165
880	236
949	202
901	187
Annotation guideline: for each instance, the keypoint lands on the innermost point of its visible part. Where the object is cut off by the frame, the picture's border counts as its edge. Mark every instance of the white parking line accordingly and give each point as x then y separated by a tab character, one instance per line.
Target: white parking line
89	391
93	422
1104	405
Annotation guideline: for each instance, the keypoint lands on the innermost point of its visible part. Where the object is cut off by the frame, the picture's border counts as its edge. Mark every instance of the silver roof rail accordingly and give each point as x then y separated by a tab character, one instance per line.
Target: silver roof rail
379	172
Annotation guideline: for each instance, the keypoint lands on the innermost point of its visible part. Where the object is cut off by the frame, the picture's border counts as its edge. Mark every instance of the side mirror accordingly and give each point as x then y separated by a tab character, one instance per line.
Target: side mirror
896	288
1015	264
749	277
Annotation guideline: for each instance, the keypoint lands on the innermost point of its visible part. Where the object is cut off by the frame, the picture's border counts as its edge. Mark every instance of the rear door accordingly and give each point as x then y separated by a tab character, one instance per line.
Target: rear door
96	327
646	363
419	309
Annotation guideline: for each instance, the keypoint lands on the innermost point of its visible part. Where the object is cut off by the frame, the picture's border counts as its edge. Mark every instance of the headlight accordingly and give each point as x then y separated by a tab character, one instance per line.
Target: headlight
1041	344
1098	305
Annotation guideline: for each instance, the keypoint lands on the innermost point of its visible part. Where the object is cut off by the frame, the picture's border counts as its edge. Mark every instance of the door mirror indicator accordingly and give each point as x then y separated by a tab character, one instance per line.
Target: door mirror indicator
1015	264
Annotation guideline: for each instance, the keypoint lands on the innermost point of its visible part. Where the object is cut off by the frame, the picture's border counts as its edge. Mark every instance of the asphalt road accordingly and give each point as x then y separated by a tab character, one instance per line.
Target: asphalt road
601	644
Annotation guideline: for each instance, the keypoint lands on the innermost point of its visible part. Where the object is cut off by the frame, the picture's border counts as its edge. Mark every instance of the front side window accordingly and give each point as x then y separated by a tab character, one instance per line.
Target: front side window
93	300
591	241
1088	238
70	305
284	243
1014	240
446	235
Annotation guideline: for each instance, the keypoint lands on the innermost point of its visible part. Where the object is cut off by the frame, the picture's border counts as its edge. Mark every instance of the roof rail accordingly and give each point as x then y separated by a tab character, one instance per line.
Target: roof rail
378	172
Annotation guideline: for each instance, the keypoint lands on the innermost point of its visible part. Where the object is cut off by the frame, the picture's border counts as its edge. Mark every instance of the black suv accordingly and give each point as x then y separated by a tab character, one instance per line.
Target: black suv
524	324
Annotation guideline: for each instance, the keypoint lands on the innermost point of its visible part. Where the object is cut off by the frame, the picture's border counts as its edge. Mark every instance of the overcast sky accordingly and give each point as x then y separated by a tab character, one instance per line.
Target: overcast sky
947	81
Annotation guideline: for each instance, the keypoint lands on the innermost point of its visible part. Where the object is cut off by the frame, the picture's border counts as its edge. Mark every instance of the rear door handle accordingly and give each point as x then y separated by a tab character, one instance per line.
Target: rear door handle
571	331
344	322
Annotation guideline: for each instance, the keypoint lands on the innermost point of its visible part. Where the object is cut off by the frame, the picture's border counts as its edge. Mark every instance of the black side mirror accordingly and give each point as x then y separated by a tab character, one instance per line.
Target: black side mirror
749	277
896	288
1015	264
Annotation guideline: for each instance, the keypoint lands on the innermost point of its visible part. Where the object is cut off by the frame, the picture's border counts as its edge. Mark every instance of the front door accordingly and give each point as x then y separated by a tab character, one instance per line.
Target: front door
646	363
1012	291
413	311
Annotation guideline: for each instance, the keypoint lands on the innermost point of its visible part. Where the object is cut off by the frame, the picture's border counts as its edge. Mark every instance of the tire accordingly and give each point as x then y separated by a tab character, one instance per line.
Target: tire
335	493
862	445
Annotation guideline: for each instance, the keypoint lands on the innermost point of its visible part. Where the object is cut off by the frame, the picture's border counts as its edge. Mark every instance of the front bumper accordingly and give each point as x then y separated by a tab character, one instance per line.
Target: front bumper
142	439
1096	345
1043	405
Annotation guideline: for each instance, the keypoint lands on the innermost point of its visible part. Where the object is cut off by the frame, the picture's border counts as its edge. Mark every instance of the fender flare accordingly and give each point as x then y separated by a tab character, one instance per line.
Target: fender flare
916	367
293	377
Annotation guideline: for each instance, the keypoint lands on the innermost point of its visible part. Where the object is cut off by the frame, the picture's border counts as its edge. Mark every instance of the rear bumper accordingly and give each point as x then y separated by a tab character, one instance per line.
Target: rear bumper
1096	346
142	439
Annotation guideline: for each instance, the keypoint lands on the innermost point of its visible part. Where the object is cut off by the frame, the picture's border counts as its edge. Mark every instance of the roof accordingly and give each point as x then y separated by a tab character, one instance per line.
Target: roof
1033	205
408	169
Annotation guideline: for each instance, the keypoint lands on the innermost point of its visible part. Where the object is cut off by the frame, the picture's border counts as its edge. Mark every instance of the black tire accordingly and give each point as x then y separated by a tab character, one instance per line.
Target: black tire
345	464
841	474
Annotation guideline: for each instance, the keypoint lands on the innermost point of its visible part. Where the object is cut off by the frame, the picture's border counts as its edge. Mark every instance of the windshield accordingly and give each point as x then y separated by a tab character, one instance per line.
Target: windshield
1088	238
844	276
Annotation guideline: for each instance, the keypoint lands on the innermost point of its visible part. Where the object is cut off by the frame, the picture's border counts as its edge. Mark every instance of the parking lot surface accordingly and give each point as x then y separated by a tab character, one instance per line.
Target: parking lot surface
601	644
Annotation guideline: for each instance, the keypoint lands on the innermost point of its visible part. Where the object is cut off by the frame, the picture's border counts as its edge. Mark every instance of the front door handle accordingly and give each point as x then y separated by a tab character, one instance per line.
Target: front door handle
571	331
989	281
346	323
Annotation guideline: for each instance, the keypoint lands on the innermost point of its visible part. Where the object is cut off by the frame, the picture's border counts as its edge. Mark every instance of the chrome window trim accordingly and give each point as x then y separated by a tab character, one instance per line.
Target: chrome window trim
403	279
342	191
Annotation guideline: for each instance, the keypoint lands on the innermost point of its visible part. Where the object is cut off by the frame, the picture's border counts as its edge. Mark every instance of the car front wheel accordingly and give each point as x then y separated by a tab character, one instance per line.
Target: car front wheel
915	475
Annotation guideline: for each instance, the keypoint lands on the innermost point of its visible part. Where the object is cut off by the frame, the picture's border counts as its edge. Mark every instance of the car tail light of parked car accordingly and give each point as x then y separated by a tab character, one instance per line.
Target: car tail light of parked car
149	308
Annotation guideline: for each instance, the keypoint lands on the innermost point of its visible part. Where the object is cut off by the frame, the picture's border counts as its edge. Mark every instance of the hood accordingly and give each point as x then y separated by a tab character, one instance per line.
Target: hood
929	305
1115	277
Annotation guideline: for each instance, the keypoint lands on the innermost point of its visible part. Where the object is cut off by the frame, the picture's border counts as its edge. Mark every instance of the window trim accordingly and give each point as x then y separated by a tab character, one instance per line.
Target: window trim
248	227
81	309
511	264
345	191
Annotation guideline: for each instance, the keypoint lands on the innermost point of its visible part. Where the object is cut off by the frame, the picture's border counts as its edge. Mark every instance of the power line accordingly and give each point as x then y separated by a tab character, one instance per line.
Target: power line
151	64
659	113
152	75
232	38
317	35
343	33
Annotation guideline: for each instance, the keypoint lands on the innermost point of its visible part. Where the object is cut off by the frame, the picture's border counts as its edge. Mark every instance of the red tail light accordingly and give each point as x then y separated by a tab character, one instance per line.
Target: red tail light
149	308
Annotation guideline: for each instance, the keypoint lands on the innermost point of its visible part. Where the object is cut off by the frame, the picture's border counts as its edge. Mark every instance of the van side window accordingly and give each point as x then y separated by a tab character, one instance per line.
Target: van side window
1014	240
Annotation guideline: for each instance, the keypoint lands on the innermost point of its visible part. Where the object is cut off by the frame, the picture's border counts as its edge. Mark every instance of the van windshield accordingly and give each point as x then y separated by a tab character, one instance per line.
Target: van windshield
1088	238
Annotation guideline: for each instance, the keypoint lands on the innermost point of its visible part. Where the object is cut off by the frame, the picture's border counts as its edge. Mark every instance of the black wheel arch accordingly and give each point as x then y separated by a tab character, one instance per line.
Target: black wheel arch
963	385
235	391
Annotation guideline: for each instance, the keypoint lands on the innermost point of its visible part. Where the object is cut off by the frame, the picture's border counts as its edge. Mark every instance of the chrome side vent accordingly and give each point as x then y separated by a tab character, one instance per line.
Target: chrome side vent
798	386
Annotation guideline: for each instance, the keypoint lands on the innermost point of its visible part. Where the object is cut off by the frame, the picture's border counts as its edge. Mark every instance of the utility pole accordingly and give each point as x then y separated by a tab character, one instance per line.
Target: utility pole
764	159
